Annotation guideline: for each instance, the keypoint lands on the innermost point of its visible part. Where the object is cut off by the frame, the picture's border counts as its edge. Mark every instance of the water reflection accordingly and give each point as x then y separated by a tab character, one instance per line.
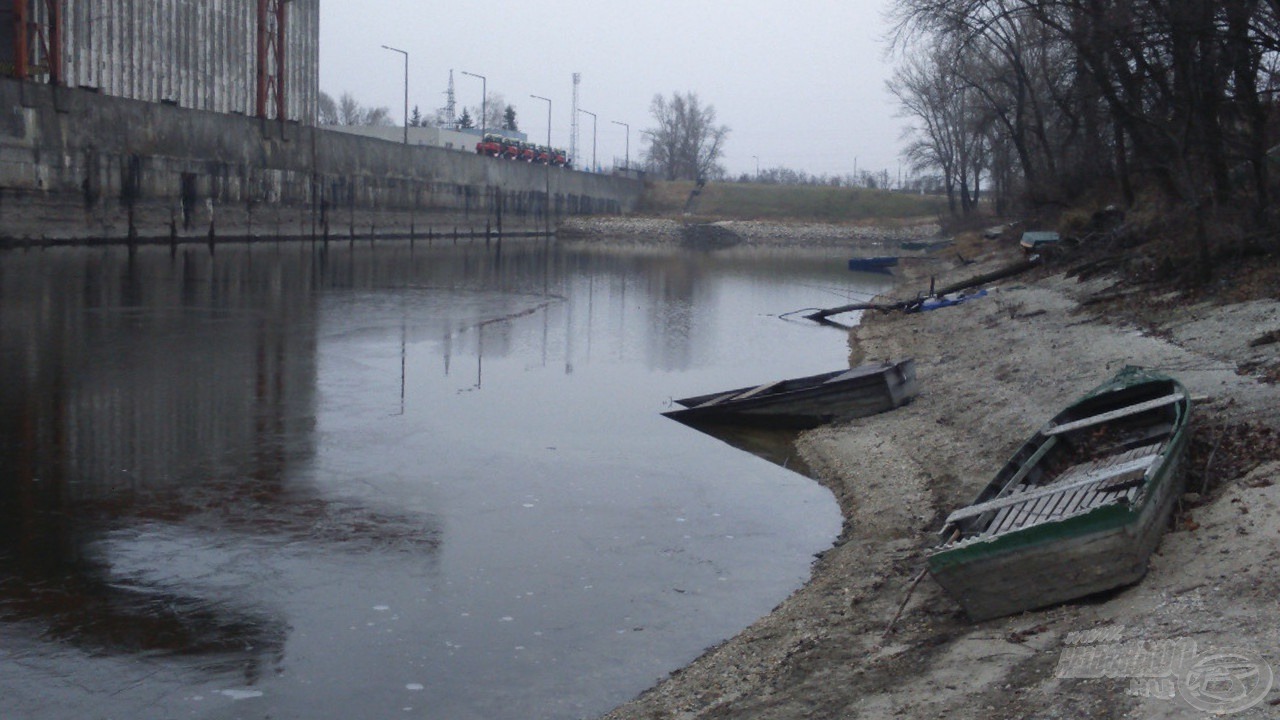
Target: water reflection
299	469
778	446
153	390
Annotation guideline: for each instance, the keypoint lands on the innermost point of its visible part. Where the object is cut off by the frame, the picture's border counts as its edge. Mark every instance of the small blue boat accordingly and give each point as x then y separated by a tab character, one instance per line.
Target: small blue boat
873	264
947	301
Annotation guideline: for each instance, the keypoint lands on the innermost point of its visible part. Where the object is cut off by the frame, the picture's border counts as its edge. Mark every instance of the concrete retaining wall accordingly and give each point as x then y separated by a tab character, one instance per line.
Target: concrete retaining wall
78	166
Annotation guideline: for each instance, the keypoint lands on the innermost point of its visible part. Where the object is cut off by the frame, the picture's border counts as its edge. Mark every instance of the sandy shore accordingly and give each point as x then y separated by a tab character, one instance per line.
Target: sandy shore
991	371
730	232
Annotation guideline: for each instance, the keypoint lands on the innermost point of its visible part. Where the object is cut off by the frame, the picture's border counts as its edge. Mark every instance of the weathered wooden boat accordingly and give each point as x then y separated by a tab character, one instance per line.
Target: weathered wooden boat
1078	509
1034	241
808	401
879	264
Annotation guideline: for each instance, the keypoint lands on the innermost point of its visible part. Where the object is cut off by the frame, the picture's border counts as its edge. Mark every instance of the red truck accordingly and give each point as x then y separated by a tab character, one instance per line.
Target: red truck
511	148
491	145
559	158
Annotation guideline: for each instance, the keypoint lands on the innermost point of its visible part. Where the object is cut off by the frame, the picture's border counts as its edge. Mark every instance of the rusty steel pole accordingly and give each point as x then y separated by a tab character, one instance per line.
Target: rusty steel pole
271	57
20	49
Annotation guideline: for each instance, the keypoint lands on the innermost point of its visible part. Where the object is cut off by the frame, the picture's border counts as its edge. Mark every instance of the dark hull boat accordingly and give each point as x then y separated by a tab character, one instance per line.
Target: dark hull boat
873	264
808	401
1078	509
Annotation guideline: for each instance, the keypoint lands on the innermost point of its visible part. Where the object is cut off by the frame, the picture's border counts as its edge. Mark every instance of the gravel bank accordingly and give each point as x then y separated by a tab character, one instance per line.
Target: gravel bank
733	232
991	371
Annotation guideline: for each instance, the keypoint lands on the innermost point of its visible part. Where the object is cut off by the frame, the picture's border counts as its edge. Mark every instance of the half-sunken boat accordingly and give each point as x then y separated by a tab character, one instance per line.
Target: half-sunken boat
806	402
1078	509
881	264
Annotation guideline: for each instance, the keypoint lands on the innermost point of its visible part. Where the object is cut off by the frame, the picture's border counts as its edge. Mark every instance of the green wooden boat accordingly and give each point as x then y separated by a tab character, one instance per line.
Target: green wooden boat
1078	509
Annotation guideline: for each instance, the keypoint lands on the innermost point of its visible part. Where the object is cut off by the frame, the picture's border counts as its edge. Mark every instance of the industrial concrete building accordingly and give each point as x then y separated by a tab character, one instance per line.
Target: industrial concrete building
253	57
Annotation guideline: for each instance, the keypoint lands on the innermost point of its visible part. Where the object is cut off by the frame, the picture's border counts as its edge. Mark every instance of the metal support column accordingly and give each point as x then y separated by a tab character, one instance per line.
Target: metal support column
271	58
21	55
44	37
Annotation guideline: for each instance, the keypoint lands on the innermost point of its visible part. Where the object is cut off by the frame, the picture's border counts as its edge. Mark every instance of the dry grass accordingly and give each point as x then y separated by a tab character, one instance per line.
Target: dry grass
808	203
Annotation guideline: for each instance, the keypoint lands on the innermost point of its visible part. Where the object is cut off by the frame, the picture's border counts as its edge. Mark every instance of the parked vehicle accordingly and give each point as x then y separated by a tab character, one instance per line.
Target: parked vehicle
495	145
491	145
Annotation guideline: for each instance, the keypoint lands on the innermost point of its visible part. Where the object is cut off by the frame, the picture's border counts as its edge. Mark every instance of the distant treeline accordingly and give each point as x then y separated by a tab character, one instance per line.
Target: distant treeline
931	183
813	203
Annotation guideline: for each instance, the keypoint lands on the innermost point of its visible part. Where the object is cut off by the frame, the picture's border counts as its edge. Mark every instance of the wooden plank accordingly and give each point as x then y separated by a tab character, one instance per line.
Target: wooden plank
1014	485
1102	464
760	389
1114	414
1063	504
1052	509
999	523
1031	462
1089	479
718	399
1060	506
860	372
1023	511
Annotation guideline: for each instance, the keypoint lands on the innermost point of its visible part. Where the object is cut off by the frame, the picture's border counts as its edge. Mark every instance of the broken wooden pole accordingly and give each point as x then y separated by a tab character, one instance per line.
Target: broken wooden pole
821	315
999	274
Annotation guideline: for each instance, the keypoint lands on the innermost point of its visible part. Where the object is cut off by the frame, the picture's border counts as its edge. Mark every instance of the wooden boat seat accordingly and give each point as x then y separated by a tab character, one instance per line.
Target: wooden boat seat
855	373
1073	479
1115	414
734	395
1113	486
759	389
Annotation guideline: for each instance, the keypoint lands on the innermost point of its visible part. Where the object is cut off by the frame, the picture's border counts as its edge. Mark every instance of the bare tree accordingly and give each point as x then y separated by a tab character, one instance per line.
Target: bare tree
1176	95
326	110
687	143
350	112
951	130
494	112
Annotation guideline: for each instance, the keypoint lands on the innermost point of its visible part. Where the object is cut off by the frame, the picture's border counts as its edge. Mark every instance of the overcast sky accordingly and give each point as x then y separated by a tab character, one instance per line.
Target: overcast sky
799	83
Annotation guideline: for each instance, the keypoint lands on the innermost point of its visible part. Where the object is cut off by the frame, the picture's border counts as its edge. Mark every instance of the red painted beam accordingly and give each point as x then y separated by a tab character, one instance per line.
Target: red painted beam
272	17
21	56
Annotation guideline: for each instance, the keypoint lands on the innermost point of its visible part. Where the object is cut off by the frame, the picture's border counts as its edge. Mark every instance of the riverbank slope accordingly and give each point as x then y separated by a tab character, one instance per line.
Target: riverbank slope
991	371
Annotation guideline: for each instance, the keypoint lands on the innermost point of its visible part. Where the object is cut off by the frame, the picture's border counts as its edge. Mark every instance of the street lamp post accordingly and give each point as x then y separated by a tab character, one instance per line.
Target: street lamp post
406	89
593	137
627	165
484	99
548	101
757	167
548	175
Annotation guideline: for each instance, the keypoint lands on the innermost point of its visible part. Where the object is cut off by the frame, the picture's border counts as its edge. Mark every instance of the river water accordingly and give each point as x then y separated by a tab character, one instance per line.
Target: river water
395	480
